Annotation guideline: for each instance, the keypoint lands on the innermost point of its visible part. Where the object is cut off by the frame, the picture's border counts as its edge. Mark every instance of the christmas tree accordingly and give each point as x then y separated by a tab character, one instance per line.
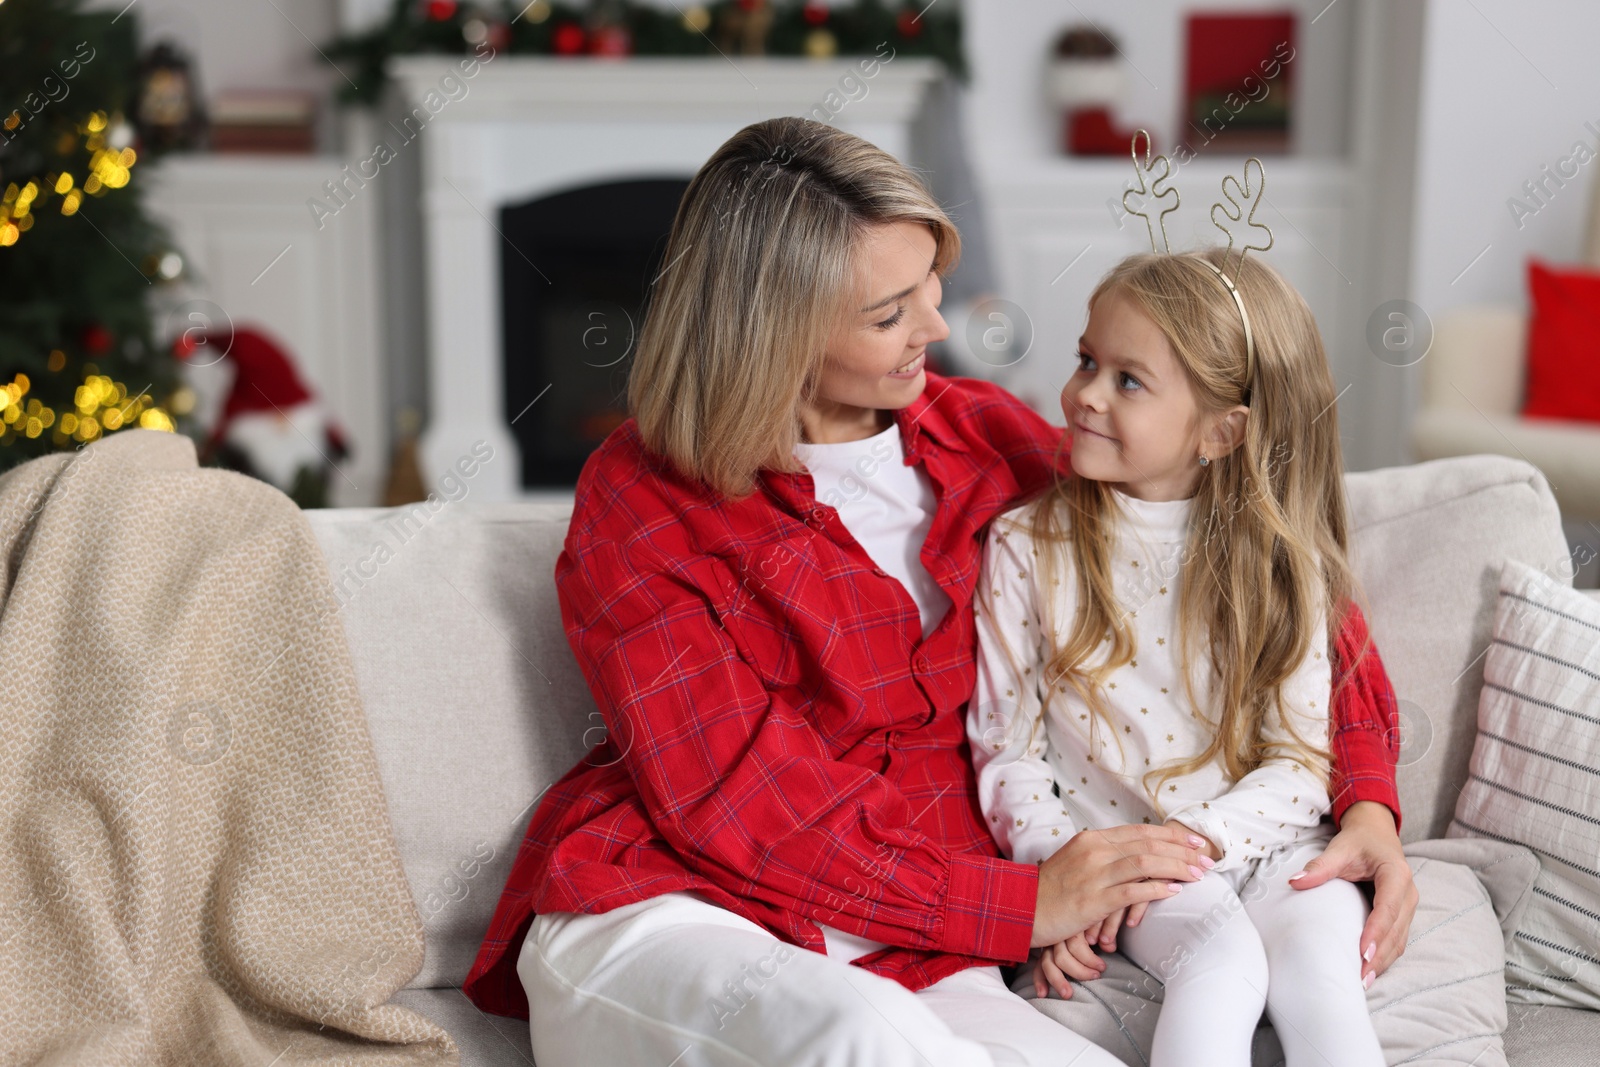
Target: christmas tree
79	258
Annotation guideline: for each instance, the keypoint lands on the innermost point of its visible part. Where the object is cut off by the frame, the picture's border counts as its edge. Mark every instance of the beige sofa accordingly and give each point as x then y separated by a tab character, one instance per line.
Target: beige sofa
476	704
1473	383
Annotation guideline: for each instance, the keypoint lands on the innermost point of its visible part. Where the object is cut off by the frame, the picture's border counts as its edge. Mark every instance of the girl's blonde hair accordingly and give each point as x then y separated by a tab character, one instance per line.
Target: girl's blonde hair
1267	533
762	264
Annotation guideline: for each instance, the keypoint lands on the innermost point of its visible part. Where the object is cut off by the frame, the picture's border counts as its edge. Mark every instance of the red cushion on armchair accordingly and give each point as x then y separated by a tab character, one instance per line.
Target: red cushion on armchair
1563	343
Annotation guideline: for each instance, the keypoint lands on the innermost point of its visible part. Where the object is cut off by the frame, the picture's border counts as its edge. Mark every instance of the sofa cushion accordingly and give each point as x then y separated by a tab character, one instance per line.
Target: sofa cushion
463	596
1539	1035
1427	544
474	700
1535	779
1568	453
1442	1002
1563	375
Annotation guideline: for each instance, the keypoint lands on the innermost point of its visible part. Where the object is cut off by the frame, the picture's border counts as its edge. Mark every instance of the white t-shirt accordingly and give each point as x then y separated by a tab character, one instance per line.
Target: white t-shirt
886	505
888	508
1022	748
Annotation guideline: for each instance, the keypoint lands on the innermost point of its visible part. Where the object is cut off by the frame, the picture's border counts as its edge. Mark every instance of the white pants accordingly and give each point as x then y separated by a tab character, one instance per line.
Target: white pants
1231	943
675	981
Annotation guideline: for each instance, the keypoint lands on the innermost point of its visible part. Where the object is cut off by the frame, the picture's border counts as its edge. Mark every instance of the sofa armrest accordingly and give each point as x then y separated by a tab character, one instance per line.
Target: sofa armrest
1478	360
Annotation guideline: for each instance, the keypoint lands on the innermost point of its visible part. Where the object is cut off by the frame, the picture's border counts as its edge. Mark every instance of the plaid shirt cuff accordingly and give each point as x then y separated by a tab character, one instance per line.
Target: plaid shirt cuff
1363	747
989	906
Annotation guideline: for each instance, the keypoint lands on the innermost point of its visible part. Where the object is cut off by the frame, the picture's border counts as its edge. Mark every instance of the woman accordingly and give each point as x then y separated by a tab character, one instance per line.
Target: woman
767	583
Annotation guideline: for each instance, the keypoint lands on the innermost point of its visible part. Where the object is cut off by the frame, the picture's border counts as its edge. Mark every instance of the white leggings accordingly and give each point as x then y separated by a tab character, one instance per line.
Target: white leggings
1231	943
676	980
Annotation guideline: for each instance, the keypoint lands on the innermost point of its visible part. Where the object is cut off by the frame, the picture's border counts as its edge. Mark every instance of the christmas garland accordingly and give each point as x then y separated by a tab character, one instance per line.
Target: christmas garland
625	27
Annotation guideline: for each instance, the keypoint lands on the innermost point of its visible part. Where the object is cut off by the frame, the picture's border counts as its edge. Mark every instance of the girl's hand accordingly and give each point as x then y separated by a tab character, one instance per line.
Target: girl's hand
1104	933
1099	872
1073	958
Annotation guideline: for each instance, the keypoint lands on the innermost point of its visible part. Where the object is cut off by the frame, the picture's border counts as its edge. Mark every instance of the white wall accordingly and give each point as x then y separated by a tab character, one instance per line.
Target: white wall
1010	41
242	44
1507	86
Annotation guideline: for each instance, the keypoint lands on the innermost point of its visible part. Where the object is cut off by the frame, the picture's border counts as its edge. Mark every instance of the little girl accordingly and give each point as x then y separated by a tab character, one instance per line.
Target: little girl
1153	647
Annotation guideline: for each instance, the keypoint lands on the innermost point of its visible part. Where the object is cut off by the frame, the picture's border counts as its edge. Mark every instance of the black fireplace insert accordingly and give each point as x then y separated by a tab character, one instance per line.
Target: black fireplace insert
575	270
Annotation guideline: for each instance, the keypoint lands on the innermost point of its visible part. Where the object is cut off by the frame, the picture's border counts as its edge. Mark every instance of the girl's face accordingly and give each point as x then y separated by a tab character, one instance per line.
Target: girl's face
874	359
1131	412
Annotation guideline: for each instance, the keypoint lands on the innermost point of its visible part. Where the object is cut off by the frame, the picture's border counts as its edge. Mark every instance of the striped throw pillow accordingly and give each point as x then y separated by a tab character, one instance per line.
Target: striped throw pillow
1535	780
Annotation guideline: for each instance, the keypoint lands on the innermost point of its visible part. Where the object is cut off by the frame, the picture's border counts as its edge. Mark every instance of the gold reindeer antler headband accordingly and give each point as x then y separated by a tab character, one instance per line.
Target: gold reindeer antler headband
1155	181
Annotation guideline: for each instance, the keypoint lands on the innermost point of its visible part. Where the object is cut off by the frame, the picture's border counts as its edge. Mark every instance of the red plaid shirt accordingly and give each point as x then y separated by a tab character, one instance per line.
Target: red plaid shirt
781	737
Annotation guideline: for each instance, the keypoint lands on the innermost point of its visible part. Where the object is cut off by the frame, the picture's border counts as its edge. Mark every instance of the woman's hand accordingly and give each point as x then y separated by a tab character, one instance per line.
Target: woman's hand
1367	847
1100	872
1209	848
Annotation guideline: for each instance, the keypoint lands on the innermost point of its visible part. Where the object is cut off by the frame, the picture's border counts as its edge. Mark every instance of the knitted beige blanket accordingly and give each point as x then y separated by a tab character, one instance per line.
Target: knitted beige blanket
196	861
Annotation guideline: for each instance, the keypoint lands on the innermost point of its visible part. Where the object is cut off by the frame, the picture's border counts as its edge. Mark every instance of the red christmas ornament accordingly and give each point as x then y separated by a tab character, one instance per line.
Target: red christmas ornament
814	13
567	39
908	23
611	41
439	10
96	339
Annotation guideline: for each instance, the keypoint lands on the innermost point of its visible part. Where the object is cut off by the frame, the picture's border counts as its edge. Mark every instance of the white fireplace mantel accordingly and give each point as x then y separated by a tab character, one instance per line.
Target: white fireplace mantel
524	127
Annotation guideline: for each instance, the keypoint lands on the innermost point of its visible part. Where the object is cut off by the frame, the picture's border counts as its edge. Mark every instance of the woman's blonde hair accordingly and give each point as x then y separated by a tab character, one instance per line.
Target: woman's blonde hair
1267	535
761	266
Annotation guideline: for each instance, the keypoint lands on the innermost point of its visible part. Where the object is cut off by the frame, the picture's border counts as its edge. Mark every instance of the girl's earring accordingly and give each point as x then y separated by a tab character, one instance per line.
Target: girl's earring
1204	462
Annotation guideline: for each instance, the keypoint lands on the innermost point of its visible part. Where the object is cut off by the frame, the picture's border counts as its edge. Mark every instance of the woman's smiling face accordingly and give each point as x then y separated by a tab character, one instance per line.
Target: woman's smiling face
1129	407
874	359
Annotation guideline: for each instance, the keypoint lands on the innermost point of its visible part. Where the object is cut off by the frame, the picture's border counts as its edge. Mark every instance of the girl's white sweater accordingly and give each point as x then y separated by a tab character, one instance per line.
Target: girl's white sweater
1043	775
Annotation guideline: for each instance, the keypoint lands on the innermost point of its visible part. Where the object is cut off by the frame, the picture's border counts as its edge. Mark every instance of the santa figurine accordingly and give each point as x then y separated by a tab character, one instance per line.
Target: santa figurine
270	426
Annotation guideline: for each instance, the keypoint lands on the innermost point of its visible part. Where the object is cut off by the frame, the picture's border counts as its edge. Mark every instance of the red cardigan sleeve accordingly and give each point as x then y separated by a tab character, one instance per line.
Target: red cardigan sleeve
1022	436
1365	730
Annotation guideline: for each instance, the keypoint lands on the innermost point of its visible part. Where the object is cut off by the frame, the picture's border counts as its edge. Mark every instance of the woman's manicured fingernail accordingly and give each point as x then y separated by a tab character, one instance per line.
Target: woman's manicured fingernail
1297	877
1366	983
1207	862
1196	871
1371	949
1173	887
1195	842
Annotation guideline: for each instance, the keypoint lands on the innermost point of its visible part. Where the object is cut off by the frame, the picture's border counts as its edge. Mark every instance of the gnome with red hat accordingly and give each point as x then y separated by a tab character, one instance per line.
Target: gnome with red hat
270	427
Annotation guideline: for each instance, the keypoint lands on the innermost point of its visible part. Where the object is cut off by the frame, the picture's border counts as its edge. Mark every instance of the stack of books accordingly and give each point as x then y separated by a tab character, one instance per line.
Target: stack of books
263	120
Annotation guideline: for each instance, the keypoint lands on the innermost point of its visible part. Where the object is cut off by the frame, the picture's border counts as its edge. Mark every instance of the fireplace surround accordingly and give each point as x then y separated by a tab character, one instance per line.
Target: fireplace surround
538	135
